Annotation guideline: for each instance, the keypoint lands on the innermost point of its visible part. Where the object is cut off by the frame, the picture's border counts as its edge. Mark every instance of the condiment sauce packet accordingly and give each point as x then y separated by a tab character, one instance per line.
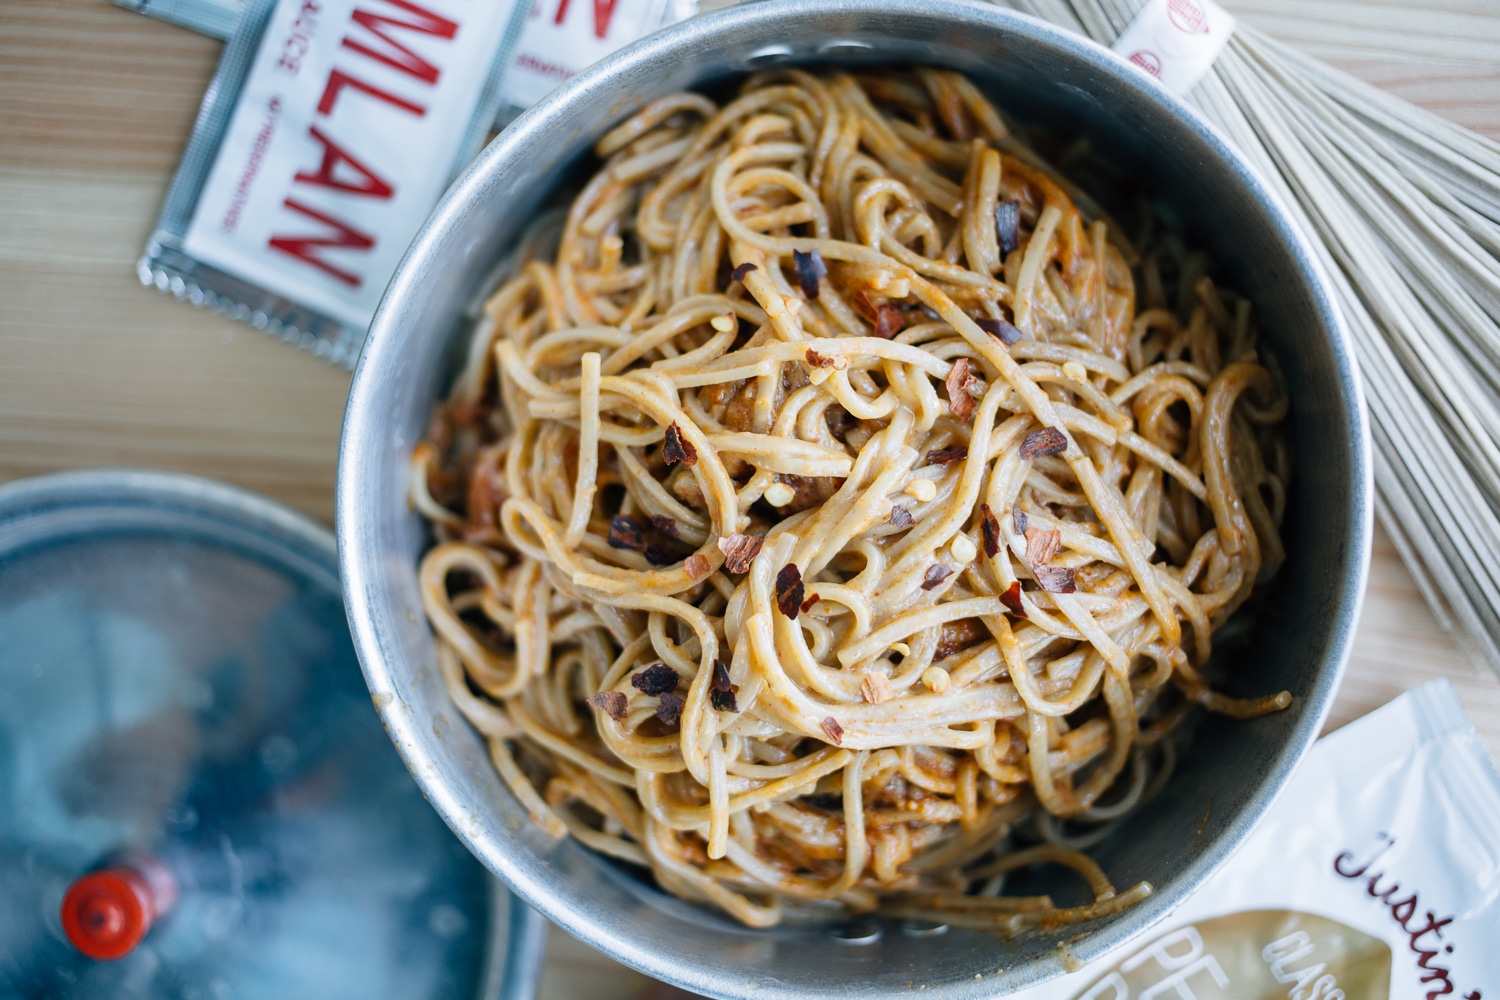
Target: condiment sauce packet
1376	874
563	37
1176	41
329	132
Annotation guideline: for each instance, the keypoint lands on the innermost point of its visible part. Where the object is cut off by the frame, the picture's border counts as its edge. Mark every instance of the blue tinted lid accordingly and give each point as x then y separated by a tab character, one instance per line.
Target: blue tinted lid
179	685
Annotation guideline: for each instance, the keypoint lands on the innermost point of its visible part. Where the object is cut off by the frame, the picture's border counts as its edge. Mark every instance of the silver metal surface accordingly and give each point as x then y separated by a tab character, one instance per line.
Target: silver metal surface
1033	70
179	682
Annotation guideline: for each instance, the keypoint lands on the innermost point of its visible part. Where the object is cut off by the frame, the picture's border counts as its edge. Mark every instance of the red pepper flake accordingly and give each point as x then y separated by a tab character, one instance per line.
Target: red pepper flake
833	731
806	605
625	533
611	703
1047	441
959	381
1041	545
665	525
837	362
948	456
889	321
655	679
1008	224
886	318
1012	599
789	590
658	556
669	708
901	517
935	577
677	449
463	415
810	269
989	526
740	551
485	494
697	566
1018	520
1055	579
999	329
720	692
876	688
738	274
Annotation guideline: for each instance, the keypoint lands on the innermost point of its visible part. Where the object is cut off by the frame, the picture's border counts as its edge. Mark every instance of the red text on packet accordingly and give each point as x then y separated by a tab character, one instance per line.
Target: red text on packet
1424	938
339	170
604	12
299	38
380	33
392	53
337	235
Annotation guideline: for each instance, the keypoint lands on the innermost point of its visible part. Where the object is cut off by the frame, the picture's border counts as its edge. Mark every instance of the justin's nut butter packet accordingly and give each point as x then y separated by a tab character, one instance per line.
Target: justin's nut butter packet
1223	958
1375	875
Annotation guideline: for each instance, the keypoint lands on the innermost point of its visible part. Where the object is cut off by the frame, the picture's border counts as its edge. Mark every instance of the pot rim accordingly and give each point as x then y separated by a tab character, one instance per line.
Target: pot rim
363	433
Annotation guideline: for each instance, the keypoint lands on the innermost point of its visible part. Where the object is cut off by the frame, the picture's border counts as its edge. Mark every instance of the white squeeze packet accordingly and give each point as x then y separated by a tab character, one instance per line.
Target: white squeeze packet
1376	874
331	129
564	37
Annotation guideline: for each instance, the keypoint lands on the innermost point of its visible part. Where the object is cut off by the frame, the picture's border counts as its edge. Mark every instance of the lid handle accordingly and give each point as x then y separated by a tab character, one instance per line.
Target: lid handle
107	912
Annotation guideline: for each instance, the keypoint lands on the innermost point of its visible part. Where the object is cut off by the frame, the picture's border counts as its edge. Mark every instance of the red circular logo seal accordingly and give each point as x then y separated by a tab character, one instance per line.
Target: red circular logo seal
1188	17
1148	61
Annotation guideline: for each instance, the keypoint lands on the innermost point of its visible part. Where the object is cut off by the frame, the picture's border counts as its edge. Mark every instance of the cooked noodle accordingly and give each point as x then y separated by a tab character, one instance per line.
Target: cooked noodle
1003	496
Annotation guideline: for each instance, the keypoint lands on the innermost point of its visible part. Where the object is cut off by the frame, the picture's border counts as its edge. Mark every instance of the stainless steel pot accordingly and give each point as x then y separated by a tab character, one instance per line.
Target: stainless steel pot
1235	768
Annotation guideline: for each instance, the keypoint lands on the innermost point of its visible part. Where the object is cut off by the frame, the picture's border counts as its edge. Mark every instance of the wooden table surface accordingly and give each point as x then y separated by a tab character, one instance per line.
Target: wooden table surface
96	104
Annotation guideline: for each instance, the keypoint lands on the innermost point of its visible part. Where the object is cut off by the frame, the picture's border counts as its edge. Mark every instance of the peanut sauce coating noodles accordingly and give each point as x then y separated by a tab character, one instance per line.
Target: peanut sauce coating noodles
843	498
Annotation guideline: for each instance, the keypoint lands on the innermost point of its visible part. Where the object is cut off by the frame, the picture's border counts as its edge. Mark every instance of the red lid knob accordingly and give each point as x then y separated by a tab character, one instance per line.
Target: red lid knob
106	913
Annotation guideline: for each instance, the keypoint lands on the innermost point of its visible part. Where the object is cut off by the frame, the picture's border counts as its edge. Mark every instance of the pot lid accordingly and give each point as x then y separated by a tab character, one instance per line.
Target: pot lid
197	799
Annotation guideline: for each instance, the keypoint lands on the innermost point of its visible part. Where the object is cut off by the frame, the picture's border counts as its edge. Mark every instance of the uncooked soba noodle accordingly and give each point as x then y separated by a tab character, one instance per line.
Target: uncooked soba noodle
839	518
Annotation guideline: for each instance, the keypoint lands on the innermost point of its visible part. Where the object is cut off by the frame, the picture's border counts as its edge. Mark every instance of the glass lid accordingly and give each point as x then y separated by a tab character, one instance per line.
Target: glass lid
197	799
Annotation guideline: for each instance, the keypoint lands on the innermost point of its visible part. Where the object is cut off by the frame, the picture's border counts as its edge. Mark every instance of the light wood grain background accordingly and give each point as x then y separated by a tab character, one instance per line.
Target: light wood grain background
96	104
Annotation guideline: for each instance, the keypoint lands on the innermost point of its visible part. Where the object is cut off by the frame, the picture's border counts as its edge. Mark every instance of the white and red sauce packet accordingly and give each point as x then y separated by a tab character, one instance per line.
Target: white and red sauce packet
1176	41
563	37
330	131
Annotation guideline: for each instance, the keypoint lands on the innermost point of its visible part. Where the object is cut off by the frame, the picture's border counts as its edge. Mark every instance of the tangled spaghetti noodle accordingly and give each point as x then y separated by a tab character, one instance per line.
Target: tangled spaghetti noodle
844	492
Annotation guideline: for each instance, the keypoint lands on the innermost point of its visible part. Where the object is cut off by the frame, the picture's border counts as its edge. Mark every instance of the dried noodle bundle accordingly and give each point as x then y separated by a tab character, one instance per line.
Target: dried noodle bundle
1403	209
838	495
